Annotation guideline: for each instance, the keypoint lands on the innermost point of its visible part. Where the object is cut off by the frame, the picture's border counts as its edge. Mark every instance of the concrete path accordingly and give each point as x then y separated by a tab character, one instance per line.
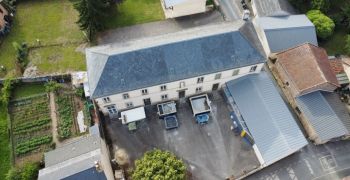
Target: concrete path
54	120
159	27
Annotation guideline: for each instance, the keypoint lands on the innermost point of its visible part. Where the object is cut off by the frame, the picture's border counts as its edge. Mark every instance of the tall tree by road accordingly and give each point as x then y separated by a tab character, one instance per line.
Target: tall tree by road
91	15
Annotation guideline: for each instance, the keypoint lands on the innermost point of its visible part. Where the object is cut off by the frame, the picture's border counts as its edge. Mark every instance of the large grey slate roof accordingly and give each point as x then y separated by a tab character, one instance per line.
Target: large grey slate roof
326	114
275	131
286	32
273	8
137	64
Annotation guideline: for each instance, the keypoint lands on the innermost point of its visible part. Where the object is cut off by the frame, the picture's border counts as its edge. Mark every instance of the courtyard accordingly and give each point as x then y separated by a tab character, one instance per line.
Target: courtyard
211	151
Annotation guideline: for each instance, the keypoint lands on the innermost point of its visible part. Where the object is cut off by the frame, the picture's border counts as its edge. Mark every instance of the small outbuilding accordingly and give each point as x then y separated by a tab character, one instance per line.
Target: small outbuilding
325	116
267	118
281	33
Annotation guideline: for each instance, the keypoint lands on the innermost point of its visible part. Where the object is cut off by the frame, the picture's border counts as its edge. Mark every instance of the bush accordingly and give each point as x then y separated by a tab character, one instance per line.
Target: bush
6	91
324	25
28	172
158	165
22	54
347	44
52	86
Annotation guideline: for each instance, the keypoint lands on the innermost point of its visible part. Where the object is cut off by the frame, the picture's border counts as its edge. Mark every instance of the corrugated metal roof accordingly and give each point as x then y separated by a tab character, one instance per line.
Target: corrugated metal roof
73	149
286	32
273	8
152	61
326	114
268	118
343	78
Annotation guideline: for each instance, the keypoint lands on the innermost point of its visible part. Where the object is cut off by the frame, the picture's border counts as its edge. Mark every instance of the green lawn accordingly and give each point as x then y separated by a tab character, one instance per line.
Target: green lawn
50	21
26	90
132	12
5	163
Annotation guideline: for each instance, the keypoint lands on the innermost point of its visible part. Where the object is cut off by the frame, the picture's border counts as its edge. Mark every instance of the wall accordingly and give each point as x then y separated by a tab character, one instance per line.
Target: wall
155	92
183	9
262	37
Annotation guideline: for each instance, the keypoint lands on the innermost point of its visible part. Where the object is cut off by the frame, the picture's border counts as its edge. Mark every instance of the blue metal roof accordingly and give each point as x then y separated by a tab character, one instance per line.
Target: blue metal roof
88	174
326	114
271	124
196	53
286	32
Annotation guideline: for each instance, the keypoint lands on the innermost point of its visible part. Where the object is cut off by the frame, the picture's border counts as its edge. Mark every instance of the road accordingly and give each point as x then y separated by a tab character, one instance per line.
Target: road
232	9
322	162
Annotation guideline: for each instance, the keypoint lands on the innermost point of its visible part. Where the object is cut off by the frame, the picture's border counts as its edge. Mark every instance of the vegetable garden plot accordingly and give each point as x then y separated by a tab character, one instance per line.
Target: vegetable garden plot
65	108
30	126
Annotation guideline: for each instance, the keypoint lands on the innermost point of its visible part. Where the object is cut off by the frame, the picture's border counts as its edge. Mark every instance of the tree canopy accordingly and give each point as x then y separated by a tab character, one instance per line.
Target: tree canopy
159	165
91	15
324	25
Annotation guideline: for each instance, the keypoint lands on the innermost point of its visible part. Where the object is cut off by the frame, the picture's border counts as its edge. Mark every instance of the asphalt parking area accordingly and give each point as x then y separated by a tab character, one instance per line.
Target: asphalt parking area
211	151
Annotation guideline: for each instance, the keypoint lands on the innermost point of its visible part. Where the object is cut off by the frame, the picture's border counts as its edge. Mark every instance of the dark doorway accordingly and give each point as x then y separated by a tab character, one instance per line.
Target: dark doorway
147	101
182	94
215	87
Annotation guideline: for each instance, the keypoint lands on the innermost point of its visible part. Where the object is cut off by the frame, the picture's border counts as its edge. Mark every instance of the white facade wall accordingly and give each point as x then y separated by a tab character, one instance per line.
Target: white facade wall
183	9
262	37
173	88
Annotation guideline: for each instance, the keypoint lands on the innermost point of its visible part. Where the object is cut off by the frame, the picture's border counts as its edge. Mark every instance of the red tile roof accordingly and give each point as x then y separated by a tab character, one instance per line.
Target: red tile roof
307	67
337	65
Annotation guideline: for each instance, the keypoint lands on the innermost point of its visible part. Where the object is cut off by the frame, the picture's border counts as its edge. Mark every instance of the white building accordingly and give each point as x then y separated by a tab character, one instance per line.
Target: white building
168	67
178	8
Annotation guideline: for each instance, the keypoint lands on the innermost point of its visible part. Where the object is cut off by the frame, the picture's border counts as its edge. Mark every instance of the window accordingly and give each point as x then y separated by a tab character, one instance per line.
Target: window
164	97
253	68
235	72
129	105
218	76
106	100
182	84
198	89
126	96
163	88
200	80
112	110
144	91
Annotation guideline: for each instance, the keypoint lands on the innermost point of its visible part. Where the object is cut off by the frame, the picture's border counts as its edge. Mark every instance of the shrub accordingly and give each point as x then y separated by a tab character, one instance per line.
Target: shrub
28	172
6	91
22	54
159	164
324	25
52	86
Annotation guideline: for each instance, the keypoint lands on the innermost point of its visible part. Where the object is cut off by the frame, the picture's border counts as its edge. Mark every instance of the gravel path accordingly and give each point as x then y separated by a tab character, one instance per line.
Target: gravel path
54	119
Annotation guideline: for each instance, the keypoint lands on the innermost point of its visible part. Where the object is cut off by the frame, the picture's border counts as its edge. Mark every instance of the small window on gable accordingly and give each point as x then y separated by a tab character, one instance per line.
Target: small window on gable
235	72
200	80
106	100
253	68
198	89
126	96
217	76
164	97
144	91
163	87
129	105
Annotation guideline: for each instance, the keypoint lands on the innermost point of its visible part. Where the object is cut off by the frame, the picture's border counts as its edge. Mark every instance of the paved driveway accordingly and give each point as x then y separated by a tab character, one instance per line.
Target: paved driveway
211	151
158	28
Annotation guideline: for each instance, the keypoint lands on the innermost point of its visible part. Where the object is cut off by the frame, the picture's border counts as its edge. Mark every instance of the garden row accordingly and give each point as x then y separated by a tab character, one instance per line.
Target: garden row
31	125
66	115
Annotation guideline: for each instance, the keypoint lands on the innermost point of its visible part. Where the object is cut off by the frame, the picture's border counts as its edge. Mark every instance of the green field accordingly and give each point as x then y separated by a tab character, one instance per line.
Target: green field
4	142
53	23
131	12
27	90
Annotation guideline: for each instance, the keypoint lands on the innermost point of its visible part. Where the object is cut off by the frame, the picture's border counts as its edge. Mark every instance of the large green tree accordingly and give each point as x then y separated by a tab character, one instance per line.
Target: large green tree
159	165
324	25
91	15
322	5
